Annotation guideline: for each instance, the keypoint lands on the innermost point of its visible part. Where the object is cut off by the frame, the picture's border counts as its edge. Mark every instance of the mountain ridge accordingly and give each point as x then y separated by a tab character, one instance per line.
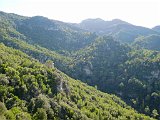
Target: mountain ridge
27	94
118	28
100	61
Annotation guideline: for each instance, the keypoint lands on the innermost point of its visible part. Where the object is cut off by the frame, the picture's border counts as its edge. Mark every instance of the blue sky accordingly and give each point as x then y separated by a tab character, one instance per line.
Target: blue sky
138	12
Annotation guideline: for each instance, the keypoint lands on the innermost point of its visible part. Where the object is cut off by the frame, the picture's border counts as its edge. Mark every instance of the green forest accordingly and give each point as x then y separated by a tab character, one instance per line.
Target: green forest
51	70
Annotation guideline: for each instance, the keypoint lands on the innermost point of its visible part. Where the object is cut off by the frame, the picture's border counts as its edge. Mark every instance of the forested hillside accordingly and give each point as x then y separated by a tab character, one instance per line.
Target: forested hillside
130	71
121	31
54	35
151	42
31	90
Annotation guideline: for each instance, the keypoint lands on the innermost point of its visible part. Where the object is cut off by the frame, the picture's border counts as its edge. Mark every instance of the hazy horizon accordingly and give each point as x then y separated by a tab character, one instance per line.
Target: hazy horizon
137	12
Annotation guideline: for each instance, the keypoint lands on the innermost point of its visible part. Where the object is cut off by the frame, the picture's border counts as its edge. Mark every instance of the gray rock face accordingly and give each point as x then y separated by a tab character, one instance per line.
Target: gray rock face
155	74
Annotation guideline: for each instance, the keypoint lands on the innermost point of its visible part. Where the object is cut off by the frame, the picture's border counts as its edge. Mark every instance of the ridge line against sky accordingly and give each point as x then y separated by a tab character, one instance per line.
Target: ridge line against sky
138	12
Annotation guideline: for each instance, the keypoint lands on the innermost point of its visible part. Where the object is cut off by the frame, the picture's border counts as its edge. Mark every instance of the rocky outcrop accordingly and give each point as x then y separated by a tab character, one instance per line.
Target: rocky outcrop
62	85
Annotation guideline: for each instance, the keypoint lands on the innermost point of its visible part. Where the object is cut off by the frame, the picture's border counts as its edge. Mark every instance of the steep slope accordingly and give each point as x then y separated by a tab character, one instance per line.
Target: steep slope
121	30
129	73
40	53
151	42
63	37
99	60
98	25
103	62
31	90
52	34
156	28
12	38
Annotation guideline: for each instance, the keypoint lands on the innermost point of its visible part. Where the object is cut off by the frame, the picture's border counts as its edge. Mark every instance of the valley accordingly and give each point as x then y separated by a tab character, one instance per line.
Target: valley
102	69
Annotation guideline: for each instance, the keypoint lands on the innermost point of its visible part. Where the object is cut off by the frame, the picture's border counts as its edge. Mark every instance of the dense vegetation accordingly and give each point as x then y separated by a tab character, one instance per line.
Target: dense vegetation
121	31
59	36
128	71
31	90
151	42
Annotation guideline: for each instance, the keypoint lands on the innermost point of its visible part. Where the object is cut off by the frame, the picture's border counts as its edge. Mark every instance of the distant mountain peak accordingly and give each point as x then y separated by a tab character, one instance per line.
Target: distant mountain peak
40	18
119	21
93	20
156	28
99	20
99	25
